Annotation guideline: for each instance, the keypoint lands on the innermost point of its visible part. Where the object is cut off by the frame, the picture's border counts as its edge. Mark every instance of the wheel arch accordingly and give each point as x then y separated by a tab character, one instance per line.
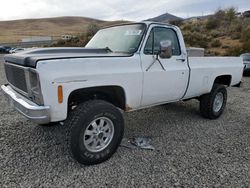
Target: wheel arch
223	79
113	94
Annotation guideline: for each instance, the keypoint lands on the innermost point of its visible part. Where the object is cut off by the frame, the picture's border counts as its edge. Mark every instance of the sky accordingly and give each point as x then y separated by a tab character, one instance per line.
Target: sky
113	9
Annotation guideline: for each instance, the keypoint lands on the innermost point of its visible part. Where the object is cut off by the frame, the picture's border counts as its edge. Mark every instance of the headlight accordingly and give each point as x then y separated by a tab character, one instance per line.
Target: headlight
35	89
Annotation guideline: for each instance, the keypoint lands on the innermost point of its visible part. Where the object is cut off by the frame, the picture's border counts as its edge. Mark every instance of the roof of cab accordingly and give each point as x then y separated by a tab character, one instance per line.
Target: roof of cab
147	23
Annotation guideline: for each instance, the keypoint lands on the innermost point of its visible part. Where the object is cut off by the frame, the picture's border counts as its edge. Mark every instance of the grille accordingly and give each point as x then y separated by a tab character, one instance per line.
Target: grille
16	76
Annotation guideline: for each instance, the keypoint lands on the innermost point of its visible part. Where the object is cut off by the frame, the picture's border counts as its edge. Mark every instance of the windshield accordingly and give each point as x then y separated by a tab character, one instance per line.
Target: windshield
124	38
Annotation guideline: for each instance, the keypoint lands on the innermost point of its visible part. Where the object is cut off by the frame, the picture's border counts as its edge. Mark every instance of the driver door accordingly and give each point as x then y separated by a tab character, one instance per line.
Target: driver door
162	86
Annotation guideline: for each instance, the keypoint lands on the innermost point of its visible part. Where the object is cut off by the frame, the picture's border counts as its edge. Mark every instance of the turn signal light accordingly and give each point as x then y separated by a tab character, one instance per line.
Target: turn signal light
60	94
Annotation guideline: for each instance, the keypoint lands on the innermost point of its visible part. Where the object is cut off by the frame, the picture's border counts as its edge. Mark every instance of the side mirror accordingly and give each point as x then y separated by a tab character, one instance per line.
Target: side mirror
165	49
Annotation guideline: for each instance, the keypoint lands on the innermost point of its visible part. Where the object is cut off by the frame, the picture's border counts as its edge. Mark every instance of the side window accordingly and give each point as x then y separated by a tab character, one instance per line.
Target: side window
159	34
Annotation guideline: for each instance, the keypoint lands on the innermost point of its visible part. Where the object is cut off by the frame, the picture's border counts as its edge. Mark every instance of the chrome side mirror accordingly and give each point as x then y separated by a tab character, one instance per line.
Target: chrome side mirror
165	49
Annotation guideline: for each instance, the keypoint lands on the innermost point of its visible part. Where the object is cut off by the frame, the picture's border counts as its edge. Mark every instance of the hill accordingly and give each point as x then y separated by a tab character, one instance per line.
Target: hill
12	31
225	32
165	18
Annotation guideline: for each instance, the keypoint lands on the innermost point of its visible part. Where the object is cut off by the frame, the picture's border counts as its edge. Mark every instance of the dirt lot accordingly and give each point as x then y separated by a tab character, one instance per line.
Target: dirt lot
190	151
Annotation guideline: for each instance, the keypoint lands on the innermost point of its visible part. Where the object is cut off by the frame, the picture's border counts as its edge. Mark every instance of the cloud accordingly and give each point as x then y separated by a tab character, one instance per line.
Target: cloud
110	9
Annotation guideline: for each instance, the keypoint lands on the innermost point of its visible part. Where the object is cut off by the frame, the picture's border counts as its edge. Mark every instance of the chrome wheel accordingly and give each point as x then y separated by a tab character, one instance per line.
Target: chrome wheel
98	134
218	102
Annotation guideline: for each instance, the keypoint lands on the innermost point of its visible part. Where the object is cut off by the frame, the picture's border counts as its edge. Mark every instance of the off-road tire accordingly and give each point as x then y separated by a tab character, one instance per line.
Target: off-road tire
207	102
78	121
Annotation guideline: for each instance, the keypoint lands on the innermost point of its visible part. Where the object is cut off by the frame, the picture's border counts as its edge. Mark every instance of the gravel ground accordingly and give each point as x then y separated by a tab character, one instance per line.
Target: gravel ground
190	151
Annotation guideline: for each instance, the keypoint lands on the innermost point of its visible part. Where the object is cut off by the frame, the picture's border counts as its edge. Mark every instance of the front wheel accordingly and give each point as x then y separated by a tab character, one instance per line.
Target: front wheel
213	104
95	131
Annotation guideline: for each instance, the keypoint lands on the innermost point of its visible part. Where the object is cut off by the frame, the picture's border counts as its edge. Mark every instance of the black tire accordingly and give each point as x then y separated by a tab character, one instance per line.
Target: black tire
80	120
207	102
246	73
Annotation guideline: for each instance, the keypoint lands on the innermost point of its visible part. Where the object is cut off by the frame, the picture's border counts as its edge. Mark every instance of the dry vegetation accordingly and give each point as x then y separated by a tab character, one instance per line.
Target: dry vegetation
13	31
223	33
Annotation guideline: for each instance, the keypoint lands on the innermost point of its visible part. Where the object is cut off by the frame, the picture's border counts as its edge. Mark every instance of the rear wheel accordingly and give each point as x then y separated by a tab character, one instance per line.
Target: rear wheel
95	131
213	104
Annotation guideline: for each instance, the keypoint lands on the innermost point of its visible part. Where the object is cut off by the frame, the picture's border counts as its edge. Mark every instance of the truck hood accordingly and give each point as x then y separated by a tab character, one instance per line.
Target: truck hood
29	58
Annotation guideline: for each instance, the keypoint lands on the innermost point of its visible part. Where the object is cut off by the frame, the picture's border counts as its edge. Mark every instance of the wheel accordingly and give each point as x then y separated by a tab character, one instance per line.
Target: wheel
246	73
95	131
213	104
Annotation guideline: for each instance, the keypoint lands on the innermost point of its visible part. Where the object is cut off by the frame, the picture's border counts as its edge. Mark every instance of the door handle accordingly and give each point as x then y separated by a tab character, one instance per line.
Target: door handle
181	59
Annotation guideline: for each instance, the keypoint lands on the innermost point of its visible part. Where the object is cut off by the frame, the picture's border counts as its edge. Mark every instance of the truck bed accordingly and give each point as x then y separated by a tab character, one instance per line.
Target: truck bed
204	71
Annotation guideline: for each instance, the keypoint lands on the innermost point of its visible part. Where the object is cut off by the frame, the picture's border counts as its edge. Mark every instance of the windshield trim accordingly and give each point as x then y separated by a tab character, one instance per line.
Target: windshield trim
134	23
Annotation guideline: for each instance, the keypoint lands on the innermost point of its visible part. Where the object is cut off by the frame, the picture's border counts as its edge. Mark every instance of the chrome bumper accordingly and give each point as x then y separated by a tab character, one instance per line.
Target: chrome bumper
35	113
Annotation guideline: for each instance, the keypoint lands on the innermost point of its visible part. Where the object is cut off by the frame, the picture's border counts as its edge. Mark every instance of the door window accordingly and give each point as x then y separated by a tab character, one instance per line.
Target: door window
159	34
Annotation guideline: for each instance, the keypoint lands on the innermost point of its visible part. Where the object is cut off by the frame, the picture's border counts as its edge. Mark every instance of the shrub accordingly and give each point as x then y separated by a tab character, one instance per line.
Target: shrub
81	40
215	34
176	22
220	14
211	53
196	39
212	23
234	51
195	28
235	26
231	13
92	30
236	36
245	38
216	43
225	47
187	27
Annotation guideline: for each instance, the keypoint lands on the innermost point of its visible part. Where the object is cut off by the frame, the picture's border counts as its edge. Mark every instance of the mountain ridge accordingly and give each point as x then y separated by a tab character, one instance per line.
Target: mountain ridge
167	17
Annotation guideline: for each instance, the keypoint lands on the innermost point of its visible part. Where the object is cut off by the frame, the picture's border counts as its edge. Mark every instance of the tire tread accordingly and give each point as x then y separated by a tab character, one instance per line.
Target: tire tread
206	102
73	119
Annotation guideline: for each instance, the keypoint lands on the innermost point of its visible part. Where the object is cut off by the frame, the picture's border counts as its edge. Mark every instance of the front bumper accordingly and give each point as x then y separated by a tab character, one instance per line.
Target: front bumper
35	113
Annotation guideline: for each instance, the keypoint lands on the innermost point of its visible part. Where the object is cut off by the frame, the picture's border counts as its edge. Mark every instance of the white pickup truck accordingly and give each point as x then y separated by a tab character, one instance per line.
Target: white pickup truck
123	68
